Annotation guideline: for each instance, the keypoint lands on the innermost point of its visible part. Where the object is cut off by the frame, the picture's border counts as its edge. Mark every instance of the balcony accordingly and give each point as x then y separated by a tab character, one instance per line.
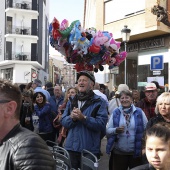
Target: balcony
19	32
21	7
23	56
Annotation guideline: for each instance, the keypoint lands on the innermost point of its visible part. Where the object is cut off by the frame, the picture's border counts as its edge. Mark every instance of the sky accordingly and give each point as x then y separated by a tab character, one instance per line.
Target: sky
66	9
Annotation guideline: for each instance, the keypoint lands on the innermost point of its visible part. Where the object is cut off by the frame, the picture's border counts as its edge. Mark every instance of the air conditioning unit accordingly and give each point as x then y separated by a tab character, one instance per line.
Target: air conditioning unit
24	57
17	5
17	30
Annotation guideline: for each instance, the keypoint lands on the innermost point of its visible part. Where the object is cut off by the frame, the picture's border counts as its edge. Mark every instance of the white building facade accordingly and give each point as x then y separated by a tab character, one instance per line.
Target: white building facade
24	43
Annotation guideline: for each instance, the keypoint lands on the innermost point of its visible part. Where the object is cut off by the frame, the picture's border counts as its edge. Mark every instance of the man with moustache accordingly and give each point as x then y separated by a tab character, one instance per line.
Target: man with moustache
85	117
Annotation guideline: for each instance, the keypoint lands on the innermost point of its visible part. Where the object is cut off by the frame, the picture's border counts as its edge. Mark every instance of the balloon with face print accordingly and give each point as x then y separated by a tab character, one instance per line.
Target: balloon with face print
99	39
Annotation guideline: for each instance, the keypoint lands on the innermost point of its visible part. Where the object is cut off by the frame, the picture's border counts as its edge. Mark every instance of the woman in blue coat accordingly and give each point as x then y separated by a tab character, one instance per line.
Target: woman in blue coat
43	112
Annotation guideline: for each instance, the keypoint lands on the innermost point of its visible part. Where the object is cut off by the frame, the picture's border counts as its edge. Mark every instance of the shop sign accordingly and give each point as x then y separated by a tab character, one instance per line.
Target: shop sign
114	70
27	75
142	83
155	73
146	44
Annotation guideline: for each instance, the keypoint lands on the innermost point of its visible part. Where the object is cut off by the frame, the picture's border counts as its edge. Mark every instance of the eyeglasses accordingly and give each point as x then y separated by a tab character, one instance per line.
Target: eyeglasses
5	101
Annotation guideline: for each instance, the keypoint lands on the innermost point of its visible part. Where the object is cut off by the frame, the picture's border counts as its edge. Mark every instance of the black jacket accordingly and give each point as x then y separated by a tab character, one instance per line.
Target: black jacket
157	119
144	167
23	149
51	91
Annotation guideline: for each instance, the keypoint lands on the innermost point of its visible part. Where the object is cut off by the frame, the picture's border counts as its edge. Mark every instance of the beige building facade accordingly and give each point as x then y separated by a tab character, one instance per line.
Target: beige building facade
149	40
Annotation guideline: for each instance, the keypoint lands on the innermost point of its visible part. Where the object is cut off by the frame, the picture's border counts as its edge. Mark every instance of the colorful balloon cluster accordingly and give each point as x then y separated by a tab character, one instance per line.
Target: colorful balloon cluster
89	49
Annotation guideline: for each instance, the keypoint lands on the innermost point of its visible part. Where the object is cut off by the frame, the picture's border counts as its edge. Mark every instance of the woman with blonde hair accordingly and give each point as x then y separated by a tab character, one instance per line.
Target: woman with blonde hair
70	93
162	110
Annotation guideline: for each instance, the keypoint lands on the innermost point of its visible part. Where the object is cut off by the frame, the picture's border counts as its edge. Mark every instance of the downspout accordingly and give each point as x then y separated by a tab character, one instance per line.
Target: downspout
85	2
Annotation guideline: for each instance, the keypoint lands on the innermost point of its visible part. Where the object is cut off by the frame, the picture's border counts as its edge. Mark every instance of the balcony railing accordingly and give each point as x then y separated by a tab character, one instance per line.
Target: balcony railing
23	56
18	30
21	5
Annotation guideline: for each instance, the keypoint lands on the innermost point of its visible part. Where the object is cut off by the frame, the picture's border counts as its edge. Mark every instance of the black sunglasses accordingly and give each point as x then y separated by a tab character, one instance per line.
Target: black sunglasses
5	101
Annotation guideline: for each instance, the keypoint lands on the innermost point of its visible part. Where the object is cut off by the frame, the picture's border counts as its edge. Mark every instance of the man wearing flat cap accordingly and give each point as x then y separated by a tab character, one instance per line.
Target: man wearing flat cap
85	117
149	102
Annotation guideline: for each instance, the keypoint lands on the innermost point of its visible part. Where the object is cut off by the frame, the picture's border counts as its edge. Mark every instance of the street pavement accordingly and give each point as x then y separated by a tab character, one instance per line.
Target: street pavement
104	161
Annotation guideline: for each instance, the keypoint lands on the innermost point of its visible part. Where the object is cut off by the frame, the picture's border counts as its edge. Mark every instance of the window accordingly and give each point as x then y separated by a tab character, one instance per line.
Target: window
7	74
144	71
119	9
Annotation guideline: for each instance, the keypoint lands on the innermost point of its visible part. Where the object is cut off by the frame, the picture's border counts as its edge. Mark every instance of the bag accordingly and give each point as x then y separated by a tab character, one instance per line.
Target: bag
62	136
56	121
35	121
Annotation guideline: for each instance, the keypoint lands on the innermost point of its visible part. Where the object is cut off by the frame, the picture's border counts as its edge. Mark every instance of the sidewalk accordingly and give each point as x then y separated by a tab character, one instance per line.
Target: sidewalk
104	161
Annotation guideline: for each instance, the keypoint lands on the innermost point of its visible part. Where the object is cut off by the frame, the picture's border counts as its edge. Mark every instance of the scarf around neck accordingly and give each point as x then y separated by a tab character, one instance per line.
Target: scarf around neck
127	110
85	96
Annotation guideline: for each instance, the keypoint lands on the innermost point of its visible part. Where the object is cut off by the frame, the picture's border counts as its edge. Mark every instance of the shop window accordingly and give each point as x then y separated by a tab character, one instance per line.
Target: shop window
7	74
143	72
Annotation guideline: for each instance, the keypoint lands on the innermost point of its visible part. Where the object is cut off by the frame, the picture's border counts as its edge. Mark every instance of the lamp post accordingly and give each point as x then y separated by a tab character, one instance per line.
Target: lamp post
53	69
125	37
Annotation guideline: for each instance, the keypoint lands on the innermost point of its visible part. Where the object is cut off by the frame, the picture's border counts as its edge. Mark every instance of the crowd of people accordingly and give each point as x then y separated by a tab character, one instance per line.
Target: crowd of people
137	128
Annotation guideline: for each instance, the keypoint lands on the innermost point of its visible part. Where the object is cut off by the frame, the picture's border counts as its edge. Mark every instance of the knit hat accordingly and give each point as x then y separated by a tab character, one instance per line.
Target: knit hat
122	87
150	86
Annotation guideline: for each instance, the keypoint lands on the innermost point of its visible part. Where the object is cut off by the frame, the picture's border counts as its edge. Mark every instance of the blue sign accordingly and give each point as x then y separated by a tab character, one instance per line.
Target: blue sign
157	63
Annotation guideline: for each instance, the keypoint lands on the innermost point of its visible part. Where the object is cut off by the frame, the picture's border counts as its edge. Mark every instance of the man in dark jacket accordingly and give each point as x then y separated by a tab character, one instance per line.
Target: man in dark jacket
149	102
85	117
19	147
57	99
49	88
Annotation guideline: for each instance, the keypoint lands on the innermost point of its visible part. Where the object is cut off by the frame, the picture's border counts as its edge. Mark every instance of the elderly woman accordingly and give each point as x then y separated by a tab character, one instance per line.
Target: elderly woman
162	110
124	131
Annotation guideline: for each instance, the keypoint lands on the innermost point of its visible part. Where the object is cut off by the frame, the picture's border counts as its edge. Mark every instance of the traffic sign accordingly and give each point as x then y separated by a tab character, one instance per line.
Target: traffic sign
34	75
157	63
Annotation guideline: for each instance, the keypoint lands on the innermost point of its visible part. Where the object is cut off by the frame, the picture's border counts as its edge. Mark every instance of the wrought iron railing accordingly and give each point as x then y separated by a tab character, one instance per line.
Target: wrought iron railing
21	5
24	56
18	30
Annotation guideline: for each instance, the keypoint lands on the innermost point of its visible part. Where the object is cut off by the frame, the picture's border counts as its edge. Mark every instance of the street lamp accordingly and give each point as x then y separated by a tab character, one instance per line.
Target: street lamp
125	37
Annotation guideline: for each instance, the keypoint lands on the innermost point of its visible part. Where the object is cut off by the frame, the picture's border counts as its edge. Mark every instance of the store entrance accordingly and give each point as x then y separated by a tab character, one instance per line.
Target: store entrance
131	74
